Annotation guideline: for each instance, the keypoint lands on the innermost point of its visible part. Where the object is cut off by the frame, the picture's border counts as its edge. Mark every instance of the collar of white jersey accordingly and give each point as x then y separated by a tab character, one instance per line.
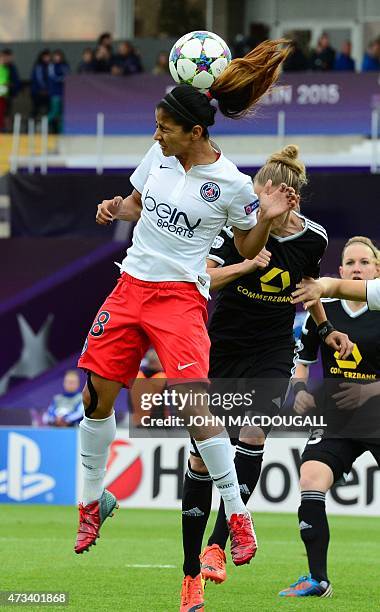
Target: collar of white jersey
198	168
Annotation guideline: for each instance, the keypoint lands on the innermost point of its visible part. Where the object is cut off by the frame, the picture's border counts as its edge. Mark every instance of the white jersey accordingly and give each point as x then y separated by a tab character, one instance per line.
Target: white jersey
182	212
373	294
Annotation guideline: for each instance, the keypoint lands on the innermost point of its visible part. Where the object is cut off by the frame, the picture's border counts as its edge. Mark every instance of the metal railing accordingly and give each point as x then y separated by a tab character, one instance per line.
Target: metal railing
40	161
32	159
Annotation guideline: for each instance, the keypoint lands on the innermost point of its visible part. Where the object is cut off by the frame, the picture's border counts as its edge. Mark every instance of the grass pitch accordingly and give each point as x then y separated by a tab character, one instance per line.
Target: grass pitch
136	565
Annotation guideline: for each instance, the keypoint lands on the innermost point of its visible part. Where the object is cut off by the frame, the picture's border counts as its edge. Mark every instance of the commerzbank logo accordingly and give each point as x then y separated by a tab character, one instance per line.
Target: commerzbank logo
281	280
21	480
351	363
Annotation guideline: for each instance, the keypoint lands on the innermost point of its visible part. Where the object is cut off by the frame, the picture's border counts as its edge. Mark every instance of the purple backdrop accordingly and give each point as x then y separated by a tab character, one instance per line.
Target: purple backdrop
315	103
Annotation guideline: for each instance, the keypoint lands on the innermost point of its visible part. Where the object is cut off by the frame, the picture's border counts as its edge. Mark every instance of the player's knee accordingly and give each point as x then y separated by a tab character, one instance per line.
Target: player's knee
252	435
197	464
254	440
93	406
308	480
86	397
315	476
90	402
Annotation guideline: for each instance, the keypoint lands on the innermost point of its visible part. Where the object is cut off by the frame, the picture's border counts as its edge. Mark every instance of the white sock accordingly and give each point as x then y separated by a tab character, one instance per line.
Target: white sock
216	453
96	436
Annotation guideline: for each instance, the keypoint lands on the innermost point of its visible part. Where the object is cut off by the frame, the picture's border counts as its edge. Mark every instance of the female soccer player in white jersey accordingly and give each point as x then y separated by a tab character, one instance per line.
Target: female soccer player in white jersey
185	191
351	408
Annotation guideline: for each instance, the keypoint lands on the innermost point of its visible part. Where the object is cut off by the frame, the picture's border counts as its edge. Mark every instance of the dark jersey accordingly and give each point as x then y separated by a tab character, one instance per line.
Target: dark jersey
362	327
362	367
256	308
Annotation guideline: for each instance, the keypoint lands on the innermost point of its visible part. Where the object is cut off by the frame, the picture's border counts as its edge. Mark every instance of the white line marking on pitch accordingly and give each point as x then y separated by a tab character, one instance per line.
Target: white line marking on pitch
148	566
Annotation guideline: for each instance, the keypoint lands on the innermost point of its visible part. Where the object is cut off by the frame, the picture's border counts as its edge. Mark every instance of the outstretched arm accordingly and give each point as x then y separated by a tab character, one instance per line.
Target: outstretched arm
309	291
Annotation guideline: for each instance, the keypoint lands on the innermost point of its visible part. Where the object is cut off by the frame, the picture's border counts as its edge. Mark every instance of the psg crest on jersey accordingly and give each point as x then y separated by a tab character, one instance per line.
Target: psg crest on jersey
210	192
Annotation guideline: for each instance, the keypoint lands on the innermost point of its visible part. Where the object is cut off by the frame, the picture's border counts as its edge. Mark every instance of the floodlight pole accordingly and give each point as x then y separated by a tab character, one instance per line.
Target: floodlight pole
210	15
374	139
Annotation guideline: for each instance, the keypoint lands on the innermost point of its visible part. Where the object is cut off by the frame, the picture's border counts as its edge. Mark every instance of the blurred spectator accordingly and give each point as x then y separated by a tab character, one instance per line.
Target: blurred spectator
297	60
105	40
126	61
371	59
102	59
162	63
258	32
343	60
323	57
40	84
14	83
151	378
87	62
57	71
66	409
4	89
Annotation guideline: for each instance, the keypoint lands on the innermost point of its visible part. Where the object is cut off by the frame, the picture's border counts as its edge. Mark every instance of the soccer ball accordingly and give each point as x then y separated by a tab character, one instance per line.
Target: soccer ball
198	58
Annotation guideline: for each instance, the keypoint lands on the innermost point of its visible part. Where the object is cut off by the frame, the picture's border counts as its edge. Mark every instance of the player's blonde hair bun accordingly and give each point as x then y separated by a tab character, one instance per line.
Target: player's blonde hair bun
291	151
284	167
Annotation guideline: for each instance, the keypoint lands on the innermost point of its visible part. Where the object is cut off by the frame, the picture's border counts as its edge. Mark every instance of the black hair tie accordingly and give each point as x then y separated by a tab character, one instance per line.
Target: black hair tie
181	110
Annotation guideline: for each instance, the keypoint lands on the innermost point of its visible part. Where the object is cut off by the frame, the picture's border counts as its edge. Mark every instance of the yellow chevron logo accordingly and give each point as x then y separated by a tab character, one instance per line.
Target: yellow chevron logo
273	273
349	364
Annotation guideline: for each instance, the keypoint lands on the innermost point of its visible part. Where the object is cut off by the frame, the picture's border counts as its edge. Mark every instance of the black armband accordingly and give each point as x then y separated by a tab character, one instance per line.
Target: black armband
324	329
299	386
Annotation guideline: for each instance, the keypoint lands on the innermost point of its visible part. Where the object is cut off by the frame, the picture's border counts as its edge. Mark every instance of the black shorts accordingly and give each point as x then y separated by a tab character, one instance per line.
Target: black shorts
275	360
339	453
267	369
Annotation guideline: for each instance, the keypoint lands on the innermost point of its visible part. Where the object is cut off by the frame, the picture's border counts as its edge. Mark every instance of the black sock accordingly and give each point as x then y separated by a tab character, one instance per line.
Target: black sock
314	531
248	460
196	507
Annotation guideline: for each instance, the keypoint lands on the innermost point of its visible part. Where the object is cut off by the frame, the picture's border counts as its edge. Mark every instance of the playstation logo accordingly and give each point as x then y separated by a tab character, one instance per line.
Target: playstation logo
22	480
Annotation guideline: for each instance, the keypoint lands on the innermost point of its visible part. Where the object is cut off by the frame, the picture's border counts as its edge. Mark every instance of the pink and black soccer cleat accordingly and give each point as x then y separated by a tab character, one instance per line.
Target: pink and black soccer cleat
243	538
91	518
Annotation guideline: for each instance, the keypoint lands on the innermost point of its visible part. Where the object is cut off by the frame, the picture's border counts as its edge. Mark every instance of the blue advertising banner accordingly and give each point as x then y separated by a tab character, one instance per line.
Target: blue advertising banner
38	466
314	103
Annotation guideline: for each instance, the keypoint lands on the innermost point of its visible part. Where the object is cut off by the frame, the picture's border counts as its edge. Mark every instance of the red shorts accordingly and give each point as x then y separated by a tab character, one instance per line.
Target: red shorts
171	316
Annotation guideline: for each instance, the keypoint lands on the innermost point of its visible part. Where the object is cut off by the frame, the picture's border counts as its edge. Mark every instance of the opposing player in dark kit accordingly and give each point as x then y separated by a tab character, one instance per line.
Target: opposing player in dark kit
251	334
329	456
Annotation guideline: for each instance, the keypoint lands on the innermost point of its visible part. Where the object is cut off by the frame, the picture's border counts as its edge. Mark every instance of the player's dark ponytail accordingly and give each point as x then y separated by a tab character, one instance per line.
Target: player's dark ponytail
237	89
247	79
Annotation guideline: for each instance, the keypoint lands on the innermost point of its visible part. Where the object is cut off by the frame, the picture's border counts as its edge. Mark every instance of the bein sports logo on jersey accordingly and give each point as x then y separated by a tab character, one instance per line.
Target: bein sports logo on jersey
210	192
21	480
173	220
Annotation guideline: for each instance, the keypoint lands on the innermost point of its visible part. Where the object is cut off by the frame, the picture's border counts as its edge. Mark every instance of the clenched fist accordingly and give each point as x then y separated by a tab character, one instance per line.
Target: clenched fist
107	210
